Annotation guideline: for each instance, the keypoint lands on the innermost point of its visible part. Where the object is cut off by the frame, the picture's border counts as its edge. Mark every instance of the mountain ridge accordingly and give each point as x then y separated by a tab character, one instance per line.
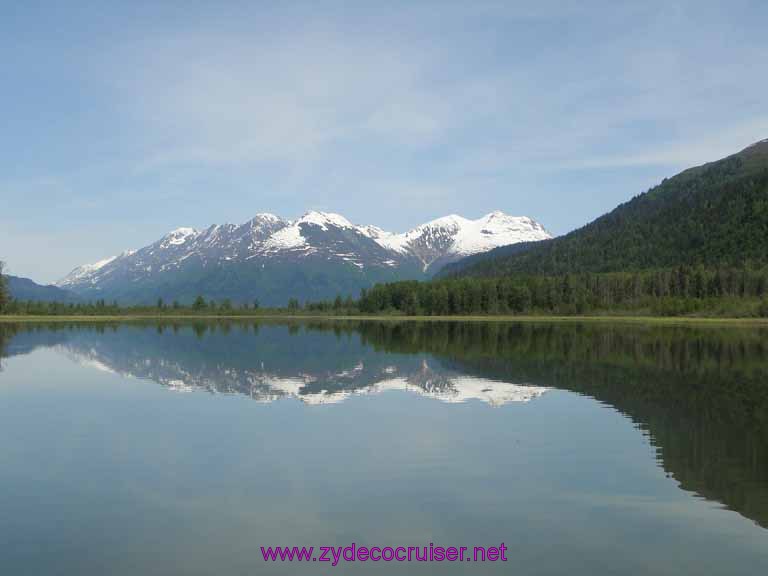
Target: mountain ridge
269	258
715	214
25	289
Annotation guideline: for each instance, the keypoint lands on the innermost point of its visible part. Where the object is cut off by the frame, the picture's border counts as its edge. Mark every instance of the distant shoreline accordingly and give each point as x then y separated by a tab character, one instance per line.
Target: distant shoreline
663	320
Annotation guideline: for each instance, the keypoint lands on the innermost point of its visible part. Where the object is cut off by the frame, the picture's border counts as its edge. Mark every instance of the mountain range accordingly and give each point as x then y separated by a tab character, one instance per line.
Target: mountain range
271	259
714	215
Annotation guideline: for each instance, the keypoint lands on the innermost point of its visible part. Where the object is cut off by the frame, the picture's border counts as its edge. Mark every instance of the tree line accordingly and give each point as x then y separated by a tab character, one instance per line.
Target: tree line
681	291
199	307
100	307
669	292
4	295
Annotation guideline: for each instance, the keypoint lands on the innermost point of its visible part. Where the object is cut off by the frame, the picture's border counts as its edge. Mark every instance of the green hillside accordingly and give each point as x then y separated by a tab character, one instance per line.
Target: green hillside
711	215
24	290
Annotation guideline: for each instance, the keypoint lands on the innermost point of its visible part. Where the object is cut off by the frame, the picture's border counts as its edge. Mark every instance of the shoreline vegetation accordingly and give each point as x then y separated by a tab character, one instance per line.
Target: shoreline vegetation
272	316
683	294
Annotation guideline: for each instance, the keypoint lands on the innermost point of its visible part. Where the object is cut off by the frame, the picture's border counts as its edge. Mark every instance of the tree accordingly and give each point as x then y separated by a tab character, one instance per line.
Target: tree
762	309
199	303
440	301
160	304
519	299
411	307
4	295
490	298
293	304
255	303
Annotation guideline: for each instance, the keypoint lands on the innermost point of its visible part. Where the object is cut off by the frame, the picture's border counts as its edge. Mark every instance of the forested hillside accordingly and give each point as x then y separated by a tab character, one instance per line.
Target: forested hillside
3	288
715	215
24	289
736	292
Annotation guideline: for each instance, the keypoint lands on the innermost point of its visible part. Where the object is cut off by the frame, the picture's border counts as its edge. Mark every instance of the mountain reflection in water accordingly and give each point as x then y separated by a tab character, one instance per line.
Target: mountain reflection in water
700	394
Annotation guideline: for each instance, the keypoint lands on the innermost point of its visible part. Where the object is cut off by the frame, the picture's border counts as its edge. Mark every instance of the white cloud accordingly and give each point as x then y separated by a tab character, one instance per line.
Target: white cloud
692	150
217	99
220	97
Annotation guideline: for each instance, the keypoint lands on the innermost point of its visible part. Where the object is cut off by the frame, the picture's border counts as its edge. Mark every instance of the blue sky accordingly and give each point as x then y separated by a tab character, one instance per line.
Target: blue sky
123	120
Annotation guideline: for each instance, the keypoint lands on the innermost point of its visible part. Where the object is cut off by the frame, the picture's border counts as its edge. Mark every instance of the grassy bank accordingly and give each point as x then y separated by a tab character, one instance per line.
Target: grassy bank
667	320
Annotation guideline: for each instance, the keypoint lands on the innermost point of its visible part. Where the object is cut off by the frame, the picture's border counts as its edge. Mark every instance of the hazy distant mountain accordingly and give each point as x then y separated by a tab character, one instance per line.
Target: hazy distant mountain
25	289
713	215
272	259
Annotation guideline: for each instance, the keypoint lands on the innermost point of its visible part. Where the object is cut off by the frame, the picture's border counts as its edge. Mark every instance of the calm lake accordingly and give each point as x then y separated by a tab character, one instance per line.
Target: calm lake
183	448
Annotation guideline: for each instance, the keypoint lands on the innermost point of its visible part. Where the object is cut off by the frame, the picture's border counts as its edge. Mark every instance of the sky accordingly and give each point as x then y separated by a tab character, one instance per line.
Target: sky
120	121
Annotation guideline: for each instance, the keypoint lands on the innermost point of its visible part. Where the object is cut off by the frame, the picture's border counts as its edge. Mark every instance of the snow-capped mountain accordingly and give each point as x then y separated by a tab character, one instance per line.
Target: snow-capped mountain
452	237
272	259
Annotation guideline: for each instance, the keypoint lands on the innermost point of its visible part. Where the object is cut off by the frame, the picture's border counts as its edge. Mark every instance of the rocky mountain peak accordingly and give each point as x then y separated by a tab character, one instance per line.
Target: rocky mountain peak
226	255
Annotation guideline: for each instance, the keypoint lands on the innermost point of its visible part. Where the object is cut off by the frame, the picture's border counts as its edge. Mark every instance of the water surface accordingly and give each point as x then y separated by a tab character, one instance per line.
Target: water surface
183	448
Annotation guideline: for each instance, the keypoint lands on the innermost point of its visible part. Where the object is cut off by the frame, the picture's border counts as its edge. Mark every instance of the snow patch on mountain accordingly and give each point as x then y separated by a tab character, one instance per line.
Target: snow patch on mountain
85	272
388	240
454	235
496	229
266	217
325	220
97	265
288	238
180	236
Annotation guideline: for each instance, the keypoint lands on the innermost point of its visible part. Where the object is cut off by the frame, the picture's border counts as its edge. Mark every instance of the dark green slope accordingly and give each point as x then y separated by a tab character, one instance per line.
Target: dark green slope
271	283
24	289
715	214
497	254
